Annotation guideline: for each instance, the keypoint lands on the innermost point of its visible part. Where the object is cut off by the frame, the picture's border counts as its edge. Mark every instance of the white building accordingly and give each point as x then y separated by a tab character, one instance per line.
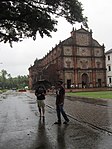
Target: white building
108	55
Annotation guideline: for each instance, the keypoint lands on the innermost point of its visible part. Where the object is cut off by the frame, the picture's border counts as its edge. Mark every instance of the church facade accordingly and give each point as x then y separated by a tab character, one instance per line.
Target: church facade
78	60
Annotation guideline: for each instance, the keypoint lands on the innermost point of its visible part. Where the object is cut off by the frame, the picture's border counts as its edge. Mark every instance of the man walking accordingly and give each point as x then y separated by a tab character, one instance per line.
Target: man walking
60	94
40	93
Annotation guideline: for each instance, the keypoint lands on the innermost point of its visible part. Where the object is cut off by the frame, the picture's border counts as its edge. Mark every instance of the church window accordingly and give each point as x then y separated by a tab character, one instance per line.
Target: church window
98	64
108	57
109	68
110	81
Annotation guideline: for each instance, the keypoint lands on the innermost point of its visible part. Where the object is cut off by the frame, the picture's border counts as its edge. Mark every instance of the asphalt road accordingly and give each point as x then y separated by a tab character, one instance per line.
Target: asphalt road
22	128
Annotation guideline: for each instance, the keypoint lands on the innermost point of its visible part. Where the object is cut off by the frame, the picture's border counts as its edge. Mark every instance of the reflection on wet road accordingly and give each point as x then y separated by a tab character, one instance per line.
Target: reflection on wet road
22	128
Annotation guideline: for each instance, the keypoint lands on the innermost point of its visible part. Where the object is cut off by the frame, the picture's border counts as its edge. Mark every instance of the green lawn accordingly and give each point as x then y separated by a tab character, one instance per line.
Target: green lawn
99	94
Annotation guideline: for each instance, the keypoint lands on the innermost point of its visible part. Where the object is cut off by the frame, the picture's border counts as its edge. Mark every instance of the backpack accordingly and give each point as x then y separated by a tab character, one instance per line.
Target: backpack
40	93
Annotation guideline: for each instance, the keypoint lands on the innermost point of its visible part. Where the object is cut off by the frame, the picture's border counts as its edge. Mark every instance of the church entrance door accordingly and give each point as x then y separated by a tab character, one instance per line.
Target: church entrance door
85	80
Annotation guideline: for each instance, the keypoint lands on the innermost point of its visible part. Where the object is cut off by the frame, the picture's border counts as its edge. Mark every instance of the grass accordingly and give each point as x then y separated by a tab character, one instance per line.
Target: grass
99	94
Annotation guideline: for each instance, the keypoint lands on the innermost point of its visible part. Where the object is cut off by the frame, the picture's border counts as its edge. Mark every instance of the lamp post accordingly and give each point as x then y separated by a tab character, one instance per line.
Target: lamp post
1	63
0	80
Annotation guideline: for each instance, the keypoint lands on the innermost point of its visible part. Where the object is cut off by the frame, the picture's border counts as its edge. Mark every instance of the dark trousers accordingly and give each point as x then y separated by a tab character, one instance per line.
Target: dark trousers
60	110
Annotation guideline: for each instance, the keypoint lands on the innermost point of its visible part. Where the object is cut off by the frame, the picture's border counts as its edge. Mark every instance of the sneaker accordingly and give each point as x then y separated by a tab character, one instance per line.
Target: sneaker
57	123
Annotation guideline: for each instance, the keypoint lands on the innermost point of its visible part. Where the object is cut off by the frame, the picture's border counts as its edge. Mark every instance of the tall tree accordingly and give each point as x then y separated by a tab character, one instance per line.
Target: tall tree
24	18
3	78
3	74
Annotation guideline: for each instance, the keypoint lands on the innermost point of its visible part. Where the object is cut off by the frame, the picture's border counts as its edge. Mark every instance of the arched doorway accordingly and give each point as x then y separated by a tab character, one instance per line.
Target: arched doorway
69	84
85	80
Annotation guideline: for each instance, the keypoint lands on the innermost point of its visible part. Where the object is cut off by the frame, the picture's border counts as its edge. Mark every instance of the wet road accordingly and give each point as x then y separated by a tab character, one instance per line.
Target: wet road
22	128
94	112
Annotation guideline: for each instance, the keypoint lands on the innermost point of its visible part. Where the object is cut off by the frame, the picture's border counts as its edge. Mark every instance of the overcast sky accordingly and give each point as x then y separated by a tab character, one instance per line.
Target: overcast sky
18	59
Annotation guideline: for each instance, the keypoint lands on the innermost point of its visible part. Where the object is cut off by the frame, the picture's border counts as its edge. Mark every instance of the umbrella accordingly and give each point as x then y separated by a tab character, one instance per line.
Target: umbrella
45	83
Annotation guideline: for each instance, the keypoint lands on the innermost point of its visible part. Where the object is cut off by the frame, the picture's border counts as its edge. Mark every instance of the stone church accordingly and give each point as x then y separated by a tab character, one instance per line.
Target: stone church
78	60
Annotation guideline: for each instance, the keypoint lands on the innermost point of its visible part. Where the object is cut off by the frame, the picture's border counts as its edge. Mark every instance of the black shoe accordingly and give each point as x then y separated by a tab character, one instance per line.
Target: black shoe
59	123
66	122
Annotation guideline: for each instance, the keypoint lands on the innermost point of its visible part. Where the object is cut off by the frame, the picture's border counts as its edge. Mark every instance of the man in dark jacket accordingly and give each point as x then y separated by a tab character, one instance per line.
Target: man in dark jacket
60	94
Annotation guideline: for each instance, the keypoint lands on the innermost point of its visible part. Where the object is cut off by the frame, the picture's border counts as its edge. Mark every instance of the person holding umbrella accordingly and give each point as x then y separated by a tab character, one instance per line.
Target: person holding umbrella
40	93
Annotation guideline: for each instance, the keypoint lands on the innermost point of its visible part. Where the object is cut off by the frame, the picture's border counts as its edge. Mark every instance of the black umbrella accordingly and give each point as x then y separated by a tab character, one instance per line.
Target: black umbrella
45	83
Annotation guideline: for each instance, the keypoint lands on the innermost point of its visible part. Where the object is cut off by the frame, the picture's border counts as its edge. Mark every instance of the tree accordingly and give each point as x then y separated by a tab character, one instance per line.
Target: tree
7	82
22	81
24	18
3	78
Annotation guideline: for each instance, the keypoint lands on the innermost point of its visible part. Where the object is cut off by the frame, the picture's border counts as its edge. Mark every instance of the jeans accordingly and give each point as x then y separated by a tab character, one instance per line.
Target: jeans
60	110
